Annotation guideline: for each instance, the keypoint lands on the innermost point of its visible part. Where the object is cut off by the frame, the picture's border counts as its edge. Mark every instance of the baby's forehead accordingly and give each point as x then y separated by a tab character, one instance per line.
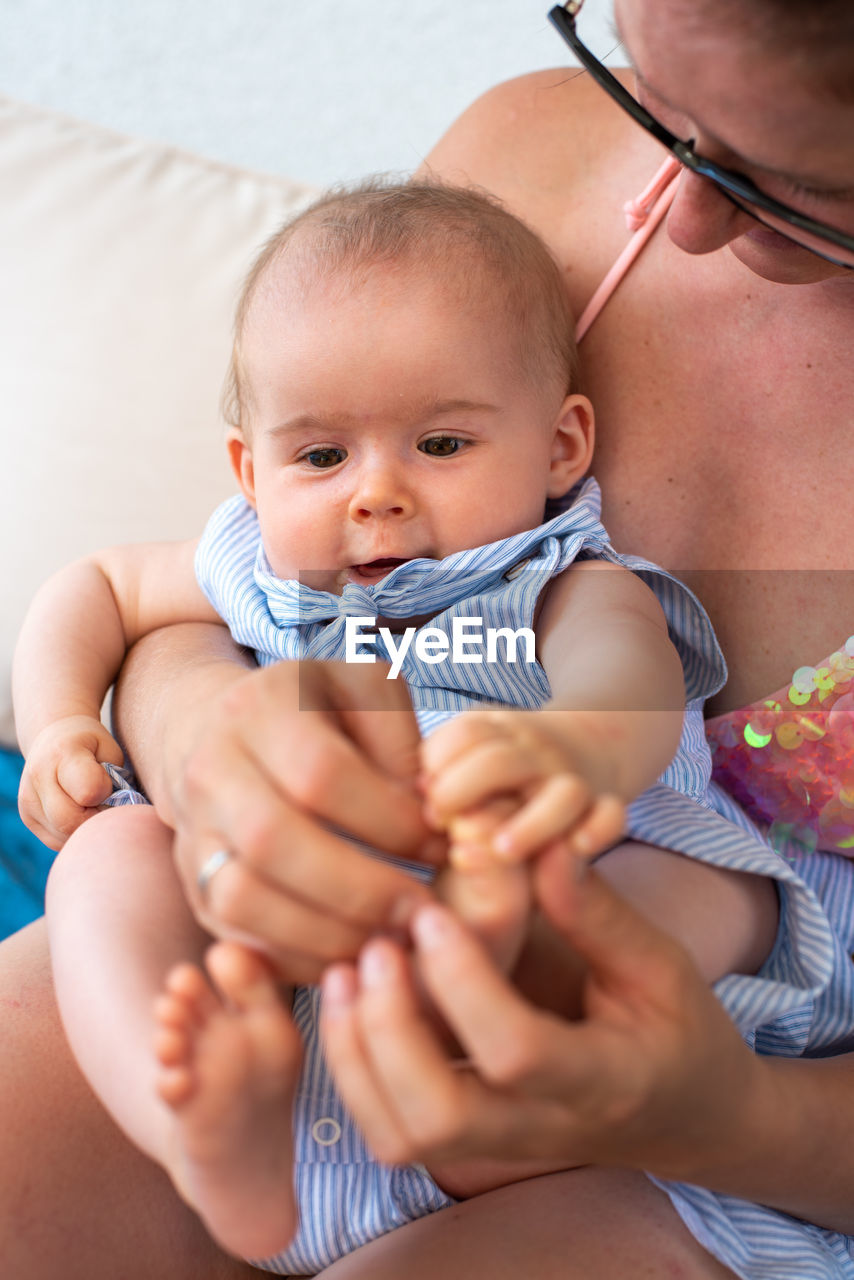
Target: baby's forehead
300	276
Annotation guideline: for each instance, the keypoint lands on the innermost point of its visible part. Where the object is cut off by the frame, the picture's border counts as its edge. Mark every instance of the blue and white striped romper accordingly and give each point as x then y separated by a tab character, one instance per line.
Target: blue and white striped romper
801	1002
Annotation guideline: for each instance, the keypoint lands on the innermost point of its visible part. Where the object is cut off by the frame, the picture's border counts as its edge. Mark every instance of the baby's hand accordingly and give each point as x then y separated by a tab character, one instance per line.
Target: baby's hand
530	757
63	782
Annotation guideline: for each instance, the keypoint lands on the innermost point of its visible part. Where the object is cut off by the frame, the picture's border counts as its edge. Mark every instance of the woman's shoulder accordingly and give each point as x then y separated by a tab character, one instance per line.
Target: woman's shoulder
562	156
550	125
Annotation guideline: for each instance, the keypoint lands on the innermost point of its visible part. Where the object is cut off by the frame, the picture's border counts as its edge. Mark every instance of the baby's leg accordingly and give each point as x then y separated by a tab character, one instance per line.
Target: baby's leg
726	919
496	904
495	899
119	925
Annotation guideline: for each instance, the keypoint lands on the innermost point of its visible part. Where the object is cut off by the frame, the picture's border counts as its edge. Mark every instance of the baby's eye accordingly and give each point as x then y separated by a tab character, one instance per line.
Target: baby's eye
441	446
323	459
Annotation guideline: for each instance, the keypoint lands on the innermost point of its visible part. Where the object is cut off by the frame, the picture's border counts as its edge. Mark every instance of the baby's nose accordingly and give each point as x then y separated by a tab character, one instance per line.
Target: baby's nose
381	492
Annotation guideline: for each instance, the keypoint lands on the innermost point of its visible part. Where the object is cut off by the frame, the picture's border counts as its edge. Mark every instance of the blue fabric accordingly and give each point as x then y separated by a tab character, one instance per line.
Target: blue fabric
24	860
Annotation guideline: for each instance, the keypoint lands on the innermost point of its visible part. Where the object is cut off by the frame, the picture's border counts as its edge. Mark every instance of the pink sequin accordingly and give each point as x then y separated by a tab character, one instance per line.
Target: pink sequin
789	759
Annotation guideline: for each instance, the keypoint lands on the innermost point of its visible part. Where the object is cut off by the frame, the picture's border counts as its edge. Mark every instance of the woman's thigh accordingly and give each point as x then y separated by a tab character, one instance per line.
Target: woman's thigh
77	1200
577	1225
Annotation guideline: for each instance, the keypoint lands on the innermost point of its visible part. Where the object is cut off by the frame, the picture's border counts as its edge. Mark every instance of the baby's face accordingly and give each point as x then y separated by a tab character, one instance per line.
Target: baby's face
388	423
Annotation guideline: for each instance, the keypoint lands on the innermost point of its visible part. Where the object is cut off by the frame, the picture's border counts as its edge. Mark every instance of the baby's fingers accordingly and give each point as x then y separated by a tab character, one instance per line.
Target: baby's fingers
49	813
560	805
490	770
83	779
601	828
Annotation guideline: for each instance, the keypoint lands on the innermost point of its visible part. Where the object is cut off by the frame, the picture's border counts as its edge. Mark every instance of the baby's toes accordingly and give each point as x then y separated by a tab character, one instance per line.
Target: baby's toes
248	985
172	1011
173	1046
176	1085
190	994
243	977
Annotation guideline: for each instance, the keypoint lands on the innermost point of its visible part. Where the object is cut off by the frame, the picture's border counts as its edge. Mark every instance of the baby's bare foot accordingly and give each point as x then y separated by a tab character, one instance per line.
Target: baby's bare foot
229	1058
493	897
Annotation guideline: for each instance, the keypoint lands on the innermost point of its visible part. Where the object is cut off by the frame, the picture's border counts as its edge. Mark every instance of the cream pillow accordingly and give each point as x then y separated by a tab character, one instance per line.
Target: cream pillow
120	261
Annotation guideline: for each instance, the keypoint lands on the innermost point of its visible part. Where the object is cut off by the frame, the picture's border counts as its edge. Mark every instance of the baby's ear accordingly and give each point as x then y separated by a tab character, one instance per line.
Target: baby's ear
572	445
240	457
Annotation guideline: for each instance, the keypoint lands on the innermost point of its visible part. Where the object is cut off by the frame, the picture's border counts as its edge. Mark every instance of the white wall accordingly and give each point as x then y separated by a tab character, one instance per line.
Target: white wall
318	91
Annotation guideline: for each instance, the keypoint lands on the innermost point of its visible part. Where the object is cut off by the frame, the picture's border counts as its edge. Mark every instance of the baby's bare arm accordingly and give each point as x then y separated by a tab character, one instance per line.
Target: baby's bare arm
603	641
85	618
610	728
70	649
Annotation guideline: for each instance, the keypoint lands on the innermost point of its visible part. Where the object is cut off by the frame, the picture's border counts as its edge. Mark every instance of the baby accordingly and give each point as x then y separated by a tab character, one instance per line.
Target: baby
404	419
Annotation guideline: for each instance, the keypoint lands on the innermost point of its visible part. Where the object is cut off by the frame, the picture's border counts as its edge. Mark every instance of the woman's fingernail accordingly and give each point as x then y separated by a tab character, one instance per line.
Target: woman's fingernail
375	966
339	989
431	928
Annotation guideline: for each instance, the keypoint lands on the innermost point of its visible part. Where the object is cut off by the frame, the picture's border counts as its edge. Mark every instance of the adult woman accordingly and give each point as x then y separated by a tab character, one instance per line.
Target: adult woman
706	468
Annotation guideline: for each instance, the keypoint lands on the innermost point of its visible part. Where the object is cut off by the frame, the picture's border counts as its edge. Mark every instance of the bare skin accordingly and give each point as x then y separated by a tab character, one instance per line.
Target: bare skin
229	1056
570	1226
51	1110
698	478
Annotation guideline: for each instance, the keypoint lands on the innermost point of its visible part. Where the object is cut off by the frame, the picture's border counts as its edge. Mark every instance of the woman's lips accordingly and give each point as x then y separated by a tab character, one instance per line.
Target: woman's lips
768	238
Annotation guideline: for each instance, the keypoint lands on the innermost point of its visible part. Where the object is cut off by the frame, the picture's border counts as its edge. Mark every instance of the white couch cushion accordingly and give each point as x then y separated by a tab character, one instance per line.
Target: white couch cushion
120	262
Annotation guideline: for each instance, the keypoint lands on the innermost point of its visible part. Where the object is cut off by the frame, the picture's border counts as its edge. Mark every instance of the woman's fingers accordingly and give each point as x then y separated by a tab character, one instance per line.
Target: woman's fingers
408	1097
619	1086
513	1045
501	1033
619	943
401	1055
289	882
288	721
392	741
238	901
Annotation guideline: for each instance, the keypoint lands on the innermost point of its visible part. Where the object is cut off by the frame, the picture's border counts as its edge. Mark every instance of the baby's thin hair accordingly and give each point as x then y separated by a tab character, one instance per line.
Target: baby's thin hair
460	234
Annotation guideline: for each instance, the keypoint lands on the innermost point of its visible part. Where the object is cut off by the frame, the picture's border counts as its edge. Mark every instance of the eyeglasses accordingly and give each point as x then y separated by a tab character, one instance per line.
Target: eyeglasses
836	246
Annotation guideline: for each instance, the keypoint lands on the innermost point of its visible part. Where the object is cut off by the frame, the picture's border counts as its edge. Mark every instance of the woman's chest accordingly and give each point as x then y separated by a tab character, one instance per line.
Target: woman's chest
724	420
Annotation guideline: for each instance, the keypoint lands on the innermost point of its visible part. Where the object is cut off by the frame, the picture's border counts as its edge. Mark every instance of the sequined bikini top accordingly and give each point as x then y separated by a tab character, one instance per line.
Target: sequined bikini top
789	759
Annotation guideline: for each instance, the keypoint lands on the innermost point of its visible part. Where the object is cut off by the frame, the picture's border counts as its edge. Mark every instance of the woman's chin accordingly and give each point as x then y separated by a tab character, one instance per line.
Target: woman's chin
775	258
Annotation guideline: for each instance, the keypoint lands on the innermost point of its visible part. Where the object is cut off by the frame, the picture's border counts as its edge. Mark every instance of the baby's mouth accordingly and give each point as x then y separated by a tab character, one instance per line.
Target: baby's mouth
375	570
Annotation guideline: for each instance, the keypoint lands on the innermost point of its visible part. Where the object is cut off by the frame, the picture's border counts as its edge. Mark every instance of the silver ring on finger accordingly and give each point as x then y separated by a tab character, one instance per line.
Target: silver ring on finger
209	869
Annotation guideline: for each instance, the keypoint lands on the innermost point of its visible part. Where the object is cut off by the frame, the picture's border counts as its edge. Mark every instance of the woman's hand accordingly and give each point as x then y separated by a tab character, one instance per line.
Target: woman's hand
652	1076
267	760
